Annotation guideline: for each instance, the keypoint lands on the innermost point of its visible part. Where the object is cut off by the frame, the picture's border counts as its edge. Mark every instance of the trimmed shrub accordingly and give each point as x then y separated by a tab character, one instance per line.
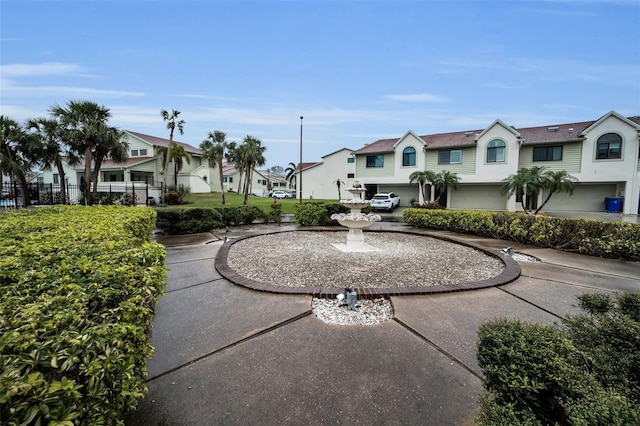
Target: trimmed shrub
590	237
79	287
587	372
309	214
242	215
174	221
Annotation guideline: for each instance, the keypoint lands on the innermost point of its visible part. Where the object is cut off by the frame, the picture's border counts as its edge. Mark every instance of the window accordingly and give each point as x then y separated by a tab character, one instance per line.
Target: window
351	175
495	151
143	152
228	179
609	146
375	160
547	153
409	156
56	179
351	160
450	156
134	152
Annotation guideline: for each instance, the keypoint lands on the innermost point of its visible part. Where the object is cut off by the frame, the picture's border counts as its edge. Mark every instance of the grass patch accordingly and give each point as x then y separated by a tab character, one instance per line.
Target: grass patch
214	199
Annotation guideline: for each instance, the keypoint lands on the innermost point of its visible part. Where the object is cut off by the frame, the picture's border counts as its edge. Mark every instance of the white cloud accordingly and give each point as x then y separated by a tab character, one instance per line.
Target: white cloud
46	68
420	97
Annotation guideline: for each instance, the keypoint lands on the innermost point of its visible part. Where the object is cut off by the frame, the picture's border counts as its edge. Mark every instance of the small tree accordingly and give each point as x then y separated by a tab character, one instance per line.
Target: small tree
528	182
422	178
339	183
290	172
214	148
444	180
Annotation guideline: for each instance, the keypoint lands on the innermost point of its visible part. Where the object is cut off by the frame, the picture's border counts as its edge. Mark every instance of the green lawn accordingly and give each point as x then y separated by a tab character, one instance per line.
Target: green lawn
214	199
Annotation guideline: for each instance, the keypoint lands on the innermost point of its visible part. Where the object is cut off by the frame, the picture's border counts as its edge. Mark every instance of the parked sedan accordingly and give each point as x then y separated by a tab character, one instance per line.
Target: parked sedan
281	194
385	201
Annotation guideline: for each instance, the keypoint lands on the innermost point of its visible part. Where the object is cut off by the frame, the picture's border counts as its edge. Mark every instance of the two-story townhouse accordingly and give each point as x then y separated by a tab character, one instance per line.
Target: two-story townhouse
319	180
144	166
604	156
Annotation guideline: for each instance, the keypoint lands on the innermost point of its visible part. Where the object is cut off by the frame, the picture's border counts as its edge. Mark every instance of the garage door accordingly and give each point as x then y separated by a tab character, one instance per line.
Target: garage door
406	192
586	198
478	197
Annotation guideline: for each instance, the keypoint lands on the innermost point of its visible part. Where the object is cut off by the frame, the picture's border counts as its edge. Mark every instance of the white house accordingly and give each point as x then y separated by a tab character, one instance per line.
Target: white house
604	155
319	179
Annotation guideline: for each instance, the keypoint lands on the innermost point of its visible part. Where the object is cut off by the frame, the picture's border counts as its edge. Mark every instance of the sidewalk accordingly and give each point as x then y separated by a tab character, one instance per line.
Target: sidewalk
229	355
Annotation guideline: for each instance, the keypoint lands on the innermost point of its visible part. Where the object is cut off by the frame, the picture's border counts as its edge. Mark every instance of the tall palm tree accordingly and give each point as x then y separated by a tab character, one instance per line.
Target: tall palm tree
84	124
423	178
214	148
254	157
444	180
50	148
15	154
338	182
172	124
291	172
236	154
111	146
525	183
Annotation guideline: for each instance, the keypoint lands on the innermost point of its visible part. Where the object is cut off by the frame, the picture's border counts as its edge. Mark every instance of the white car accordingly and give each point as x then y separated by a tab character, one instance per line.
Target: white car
281	194
385	201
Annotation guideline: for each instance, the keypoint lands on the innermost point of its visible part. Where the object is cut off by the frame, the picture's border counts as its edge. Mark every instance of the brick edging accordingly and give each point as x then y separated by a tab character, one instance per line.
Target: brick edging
510	273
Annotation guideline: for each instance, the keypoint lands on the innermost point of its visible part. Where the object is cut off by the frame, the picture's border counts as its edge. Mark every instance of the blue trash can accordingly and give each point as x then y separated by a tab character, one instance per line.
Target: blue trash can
613	205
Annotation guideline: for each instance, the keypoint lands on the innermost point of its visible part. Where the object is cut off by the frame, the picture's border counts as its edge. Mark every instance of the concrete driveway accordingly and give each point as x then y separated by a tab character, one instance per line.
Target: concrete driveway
229	355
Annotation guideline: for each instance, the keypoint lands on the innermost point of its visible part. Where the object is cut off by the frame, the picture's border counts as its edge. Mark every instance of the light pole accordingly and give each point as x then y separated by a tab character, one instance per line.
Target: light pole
301	117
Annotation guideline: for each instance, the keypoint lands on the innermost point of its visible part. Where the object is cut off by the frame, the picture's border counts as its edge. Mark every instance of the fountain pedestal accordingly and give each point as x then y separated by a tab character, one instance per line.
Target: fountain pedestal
356	222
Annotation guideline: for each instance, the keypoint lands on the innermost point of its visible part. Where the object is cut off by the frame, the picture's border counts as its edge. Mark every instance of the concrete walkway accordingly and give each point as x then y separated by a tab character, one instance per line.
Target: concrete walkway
229	355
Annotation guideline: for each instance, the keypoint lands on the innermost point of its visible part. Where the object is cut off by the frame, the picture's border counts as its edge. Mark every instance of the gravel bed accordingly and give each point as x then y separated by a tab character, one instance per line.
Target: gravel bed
367	312
308	259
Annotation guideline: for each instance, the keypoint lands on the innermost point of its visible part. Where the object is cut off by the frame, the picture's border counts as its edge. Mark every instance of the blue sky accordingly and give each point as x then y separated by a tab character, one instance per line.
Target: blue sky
357	71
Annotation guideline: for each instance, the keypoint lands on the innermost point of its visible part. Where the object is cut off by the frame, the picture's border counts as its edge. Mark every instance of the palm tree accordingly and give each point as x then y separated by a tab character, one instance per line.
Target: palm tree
83	124
254	157
50	148
422	178
557	181
213	149
339	183
179	156
172	124
236	155
111	146
444	180
15	153
291	172
525	183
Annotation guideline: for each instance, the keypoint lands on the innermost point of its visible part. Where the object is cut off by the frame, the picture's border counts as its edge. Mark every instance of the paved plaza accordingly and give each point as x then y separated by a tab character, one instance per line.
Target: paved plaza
225	354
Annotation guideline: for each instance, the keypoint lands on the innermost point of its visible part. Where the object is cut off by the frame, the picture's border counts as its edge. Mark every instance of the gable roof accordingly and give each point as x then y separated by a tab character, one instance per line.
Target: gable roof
156	141
451	140
612	114
379	146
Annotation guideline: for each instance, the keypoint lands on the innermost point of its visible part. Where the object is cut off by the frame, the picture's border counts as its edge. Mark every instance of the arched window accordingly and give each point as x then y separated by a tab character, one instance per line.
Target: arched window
496	151
409	156
609	146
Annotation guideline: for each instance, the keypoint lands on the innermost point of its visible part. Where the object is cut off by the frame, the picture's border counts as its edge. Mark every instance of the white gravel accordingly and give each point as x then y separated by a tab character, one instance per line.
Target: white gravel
367	312
307	259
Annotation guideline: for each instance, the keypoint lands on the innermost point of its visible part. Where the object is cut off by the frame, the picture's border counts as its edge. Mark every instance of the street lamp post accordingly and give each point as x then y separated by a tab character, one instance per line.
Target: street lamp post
301	117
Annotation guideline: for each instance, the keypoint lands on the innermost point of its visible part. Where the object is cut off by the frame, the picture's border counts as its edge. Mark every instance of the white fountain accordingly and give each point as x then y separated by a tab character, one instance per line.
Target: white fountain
356	221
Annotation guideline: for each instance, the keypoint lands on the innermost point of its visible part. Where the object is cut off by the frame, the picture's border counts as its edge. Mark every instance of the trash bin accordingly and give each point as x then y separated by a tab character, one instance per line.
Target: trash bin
613	205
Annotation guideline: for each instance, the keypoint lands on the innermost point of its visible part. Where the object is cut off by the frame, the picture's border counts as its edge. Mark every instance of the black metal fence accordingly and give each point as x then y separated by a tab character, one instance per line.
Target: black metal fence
137	193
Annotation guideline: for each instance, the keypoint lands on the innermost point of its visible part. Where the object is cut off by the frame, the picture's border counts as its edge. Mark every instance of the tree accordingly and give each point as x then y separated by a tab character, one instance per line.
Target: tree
339	183
50	148
422	178
214	148
172	124
253	157
528	182
290	172
556	182
84	125
444	180
236	155
15	154
111	146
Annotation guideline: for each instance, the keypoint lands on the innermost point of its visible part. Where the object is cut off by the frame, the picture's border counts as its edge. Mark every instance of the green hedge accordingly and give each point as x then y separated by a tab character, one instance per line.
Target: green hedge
189	220
585	373
310	214
78	289
591	237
